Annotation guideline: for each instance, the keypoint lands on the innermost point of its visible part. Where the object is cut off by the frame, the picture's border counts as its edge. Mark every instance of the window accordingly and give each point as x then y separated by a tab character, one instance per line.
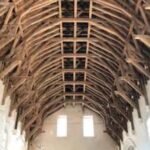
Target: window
148	126
88	126
62	126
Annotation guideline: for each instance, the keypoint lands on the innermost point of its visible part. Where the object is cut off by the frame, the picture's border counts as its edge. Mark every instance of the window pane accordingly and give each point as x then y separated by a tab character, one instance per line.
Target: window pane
62	126
88	126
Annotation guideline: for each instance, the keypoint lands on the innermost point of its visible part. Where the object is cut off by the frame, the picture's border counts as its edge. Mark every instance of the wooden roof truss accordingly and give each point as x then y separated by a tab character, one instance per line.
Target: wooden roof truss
93	52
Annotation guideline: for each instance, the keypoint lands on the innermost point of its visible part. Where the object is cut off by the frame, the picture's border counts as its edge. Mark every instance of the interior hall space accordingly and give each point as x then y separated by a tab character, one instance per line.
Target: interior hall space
74	74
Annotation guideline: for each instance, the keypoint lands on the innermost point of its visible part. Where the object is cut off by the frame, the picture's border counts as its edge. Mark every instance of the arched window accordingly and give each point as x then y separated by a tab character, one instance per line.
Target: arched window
148	126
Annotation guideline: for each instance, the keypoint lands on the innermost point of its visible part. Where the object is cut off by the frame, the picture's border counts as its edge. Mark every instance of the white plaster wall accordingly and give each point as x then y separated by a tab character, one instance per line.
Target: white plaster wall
75	139
138	138
10	138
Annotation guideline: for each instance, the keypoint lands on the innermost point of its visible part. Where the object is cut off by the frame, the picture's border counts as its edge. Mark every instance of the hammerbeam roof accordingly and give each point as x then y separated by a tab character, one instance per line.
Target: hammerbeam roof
92	52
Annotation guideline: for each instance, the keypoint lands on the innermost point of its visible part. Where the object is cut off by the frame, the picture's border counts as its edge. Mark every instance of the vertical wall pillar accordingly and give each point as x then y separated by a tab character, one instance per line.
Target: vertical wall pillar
9	137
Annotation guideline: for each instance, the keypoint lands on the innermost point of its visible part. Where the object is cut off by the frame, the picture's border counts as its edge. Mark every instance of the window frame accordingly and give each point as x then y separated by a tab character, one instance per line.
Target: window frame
62	131
88	128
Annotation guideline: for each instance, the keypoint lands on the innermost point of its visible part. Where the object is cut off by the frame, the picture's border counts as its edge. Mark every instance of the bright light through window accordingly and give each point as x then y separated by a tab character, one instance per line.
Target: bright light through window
148	126
88	126
62	126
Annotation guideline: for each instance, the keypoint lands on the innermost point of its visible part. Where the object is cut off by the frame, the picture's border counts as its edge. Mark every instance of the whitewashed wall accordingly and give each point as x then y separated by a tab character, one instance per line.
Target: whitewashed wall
139	138
75	140
10	139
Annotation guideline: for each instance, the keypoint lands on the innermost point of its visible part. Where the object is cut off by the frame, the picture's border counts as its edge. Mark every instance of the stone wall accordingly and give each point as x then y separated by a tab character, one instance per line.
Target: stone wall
75	140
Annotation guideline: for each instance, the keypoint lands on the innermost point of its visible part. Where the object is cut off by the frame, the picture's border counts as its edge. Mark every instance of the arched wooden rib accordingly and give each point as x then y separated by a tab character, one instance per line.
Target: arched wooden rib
92	109
144	39
113	5
7	70
17	85
48	80
98	92
26	126
27	112
101	64
46	50
117	107
47	93
132	84
4	8
36	6
138	67
52	102
52	71
53	110
35	131
96	104
147	7
102	72
51	97
125	97
23	100
9	15
107	30
103	86
103	49
99	98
